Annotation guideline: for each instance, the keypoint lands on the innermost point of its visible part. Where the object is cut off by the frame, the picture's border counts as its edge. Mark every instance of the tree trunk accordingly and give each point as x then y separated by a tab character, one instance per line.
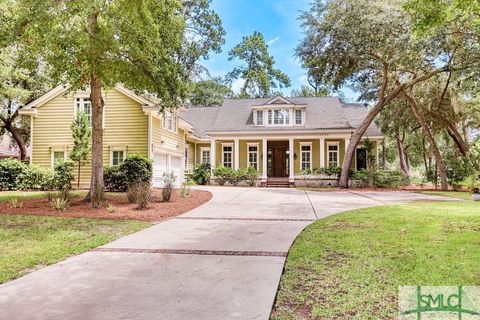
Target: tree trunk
8	125
402	155
457	138
96	195
384	160
382	102
78	183
438	157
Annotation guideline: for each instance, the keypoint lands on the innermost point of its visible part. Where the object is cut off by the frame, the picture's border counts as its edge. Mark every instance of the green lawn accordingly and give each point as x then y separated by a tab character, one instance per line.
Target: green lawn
30	242
454	194
350	265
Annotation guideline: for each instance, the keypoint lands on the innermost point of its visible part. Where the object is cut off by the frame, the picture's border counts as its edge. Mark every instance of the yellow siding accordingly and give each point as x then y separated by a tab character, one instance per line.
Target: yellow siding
174	141
126	127
191	156
198	150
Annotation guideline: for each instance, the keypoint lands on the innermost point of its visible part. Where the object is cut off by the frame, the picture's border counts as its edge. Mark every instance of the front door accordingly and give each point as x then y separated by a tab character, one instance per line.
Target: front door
279	163
361	158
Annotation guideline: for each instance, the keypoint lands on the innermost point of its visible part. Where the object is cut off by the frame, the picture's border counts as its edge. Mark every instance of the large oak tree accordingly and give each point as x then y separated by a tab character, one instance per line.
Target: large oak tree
98	43
370	46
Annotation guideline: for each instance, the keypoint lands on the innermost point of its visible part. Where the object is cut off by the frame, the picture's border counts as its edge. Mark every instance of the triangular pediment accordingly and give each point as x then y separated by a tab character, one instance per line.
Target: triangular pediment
279	100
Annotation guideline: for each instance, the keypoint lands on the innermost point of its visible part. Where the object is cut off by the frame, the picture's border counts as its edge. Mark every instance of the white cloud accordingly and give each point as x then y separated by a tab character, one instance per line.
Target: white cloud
237	85
272	41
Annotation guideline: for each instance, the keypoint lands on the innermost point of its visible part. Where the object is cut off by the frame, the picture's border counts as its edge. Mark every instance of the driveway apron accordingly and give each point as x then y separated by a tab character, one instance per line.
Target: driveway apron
222	260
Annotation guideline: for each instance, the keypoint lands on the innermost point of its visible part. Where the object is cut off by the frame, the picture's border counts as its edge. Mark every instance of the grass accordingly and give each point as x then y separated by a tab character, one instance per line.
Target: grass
30	242
454	194
350	265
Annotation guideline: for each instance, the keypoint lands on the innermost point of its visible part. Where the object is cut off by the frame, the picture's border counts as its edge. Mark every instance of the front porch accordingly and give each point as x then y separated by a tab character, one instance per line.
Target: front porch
280	159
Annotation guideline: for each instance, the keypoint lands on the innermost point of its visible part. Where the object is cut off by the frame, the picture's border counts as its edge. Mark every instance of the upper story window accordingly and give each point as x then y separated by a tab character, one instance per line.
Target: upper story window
83	104
259	117
298	117
279	116
169	121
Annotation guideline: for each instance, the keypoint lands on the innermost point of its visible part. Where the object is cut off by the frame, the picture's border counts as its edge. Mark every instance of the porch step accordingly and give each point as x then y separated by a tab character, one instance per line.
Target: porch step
277	183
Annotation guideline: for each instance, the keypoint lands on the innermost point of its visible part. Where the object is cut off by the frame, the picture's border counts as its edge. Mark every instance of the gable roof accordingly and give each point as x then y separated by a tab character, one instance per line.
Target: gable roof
322	113
55	92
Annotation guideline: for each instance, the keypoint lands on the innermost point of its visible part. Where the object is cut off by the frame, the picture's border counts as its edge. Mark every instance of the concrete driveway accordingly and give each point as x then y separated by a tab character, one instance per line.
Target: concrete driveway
222	260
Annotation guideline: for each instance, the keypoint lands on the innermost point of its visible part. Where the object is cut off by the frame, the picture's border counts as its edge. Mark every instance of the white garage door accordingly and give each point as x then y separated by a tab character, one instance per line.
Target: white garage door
176	168
159	168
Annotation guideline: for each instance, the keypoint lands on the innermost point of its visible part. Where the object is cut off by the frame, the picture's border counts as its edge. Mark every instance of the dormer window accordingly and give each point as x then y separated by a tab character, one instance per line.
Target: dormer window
259	117
279	116
298	117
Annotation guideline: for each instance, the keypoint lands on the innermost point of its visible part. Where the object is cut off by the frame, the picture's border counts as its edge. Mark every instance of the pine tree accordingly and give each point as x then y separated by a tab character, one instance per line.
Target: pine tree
82	141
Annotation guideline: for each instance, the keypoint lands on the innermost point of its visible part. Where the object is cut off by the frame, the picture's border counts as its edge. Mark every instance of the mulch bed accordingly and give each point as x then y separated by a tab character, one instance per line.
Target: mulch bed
157	210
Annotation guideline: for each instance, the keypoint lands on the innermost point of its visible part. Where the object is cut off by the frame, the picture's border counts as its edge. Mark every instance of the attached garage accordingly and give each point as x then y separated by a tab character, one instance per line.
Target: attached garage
166	163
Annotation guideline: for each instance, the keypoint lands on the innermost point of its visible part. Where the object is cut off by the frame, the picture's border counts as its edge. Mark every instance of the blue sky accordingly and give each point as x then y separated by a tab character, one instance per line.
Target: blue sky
275	19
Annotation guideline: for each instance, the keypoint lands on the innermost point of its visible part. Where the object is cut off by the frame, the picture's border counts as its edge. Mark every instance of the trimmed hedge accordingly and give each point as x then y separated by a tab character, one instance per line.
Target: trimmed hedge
10	169
134	170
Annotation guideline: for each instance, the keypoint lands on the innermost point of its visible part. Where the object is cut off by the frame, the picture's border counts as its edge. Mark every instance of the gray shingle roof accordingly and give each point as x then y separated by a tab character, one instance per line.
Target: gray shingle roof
236	115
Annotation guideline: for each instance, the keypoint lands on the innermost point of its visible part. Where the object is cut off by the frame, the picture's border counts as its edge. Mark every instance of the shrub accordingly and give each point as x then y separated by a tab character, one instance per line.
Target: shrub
14	203
10	169
111	208
142	194
472	183
251	176
137	168
63	177
201	173
389	179
114	178
222	174
167	191
59	204
185	190
329	171
35	178
237	176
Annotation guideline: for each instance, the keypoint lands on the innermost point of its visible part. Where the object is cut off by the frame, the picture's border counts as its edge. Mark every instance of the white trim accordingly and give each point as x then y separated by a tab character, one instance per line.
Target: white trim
322	152
203	149
264	159
333	143
57	149
291	160
31	141
149	139
129	93
58	90
213	153
112	149
163	120
236	154
309	144
227	144
253	144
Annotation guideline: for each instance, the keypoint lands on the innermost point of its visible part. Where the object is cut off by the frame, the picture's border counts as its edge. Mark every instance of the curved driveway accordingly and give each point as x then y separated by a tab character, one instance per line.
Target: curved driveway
222	260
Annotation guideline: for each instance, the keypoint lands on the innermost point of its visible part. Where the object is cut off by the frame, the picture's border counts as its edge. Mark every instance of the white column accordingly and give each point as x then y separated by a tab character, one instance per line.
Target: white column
213	153
322	152
236	153
291	152
264	159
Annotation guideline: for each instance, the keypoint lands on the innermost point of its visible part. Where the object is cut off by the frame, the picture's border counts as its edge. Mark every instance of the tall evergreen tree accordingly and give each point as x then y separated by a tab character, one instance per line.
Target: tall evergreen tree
82	142
259	74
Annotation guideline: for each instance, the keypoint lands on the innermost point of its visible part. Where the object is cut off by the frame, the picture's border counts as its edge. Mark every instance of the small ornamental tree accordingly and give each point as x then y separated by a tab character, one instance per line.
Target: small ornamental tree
82	142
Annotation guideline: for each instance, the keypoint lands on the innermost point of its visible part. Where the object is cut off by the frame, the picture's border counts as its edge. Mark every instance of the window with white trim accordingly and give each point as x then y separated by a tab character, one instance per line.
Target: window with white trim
278	116
83	104
298	117
305	156
117	157
169	121
205	153
252	156
333	155
259	117
57	155
227	156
